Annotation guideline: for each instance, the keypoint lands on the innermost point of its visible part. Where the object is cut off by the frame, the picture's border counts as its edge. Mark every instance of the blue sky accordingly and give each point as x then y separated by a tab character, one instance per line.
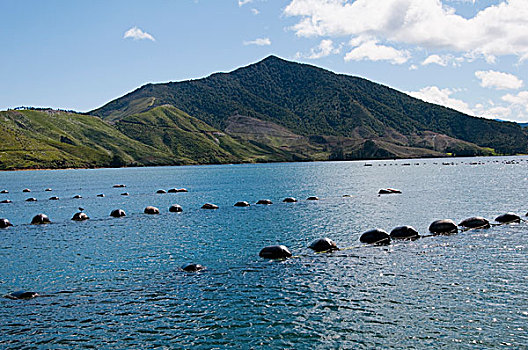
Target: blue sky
469	55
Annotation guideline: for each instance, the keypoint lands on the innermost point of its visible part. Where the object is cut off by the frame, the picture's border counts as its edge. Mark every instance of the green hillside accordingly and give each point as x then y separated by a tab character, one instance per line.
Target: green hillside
313	102
37	139
270	111
189	140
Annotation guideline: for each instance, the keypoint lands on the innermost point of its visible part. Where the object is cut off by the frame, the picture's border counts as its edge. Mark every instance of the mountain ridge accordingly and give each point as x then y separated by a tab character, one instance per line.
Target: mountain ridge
270	111
311	101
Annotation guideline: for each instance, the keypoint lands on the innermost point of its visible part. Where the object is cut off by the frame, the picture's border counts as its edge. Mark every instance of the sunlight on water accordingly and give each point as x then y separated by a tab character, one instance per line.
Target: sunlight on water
117	283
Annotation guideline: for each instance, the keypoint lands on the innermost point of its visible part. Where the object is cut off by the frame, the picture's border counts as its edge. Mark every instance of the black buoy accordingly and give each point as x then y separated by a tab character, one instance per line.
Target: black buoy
289	200
77	196
100	195
443	227
4	191
312	198
475	222
508	218
125	194
4	223
26	190
48	190
117	213
80	216
275	252
119	186
151	210
375	236
161	191
323	245
242	204
21	295
6	201
209	206
175	208
389	191
40	219
404	232
32	199
192	267
54	198
177	190
265	201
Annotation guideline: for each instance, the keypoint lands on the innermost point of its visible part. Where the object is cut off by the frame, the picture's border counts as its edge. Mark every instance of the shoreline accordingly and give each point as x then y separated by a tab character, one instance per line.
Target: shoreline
307	161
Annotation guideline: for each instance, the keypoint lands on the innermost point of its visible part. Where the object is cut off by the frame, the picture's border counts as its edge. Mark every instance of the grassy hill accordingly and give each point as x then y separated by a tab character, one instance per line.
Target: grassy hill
37	139
315	103
270	111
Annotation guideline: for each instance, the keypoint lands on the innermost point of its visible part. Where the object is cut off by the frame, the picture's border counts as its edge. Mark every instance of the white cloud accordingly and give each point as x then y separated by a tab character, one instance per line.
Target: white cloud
434	94
259	42
243	2
325	48
493	112
496	30
520	100
498	80
255	11
436	59
137	34
371	50
443	60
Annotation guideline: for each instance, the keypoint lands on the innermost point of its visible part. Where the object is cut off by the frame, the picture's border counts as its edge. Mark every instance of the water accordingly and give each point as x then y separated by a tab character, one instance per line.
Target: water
117	283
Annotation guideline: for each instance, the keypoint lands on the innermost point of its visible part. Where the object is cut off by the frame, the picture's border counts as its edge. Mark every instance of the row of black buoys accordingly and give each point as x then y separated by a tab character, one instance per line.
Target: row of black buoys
380	237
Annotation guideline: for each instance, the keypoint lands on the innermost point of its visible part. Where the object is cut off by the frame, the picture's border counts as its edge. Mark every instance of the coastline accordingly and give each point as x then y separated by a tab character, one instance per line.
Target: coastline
286	162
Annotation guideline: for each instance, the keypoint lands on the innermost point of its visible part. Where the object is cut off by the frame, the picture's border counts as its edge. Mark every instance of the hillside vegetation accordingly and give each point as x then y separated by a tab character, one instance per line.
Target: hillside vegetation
313	102
270	111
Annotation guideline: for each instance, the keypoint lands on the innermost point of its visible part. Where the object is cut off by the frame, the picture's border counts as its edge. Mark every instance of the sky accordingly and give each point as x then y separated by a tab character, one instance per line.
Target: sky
470	55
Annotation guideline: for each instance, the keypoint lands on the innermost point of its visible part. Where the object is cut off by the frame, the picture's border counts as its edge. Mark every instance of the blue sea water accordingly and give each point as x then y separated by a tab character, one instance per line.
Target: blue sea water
116	283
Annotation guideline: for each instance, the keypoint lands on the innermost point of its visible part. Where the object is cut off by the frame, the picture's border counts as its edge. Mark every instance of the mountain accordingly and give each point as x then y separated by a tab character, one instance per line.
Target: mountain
270	111
336	116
